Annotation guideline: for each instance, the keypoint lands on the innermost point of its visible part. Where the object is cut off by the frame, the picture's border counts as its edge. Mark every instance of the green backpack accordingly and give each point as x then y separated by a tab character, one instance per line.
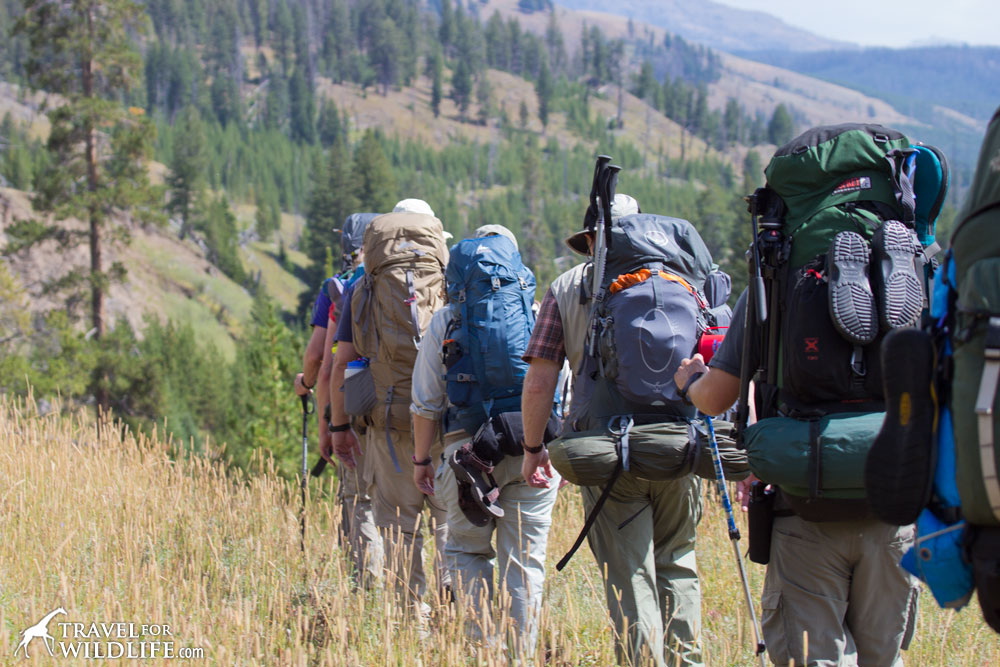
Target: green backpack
975	253
819	396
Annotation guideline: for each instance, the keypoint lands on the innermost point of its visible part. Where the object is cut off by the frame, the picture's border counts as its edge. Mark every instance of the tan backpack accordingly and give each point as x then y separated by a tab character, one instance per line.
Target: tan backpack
403	286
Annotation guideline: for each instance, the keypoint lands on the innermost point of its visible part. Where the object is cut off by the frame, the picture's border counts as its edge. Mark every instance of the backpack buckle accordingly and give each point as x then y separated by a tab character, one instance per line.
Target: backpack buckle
858	362
495	283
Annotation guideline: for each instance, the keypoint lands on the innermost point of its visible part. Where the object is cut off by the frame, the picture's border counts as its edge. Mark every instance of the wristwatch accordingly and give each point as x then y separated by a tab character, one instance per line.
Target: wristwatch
533	450
340	428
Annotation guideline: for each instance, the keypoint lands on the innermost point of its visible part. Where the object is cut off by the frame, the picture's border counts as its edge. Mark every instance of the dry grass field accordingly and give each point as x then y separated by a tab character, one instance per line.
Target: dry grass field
113	528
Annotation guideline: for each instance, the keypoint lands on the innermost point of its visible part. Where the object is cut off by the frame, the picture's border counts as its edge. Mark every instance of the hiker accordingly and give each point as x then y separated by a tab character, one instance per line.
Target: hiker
519	515
357	524
405	255
834	592
644	538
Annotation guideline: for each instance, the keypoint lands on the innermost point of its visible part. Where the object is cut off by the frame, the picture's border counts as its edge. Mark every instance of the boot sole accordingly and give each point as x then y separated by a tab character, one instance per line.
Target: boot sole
899	469
852	303
901	297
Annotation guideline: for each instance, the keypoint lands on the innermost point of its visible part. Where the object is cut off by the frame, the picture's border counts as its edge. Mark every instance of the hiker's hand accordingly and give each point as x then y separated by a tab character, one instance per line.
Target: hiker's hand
689	367
537	470
345	446
423	477
326	446
743	491
300	386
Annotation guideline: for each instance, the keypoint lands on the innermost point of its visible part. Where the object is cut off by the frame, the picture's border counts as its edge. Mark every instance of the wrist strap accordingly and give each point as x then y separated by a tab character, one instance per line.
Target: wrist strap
307	386
425	462
683	393
339	428
533	450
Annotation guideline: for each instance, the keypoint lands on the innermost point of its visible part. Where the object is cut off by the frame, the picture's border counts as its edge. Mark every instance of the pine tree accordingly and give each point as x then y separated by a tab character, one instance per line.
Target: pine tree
484	97
84	53
263	367
461	86
544	90
436	75
187	167
375	185
781	129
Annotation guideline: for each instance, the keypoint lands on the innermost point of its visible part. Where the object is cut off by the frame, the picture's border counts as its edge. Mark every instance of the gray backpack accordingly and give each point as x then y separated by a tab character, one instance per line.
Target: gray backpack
653	313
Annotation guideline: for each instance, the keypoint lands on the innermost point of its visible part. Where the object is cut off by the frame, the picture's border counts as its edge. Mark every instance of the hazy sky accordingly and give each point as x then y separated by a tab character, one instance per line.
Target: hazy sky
888	22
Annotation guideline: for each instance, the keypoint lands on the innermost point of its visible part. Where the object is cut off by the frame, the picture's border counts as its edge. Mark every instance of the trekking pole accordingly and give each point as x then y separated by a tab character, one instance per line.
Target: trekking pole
306	411
734	536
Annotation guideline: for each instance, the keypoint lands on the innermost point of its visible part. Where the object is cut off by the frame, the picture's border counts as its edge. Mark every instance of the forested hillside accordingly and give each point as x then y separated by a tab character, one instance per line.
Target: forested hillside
227	141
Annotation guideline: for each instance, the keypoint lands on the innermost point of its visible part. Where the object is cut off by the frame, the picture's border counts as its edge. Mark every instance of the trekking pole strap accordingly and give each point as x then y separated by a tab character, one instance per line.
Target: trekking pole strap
592	517
984	414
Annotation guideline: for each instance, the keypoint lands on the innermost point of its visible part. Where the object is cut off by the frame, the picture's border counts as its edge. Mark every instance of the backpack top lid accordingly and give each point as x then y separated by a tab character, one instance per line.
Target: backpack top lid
483	257
393	238
822	162
353	233
647	240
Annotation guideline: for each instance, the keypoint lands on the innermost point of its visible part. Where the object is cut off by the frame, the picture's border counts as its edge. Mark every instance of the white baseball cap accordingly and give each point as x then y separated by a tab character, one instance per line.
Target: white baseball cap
496	230
413	206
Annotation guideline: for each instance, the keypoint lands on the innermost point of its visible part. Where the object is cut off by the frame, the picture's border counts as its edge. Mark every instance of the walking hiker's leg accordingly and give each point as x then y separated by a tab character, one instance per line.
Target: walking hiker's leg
883	600
806	590
359	534
628	566
470	556
676	510
397	508
522	538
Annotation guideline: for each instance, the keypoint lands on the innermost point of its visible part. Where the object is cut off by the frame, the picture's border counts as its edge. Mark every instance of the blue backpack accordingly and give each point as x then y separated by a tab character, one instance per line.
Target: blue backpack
490	293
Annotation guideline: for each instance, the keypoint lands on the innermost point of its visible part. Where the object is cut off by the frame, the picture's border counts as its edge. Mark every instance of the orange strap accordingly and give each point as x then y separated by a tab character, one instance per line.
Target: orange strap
628	279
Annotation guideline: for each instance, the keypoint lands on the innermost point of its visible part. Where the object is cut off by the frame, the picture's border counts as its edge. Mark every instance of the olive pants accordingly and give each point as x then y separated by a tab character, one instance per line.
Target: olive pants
359	537
398	507
649	567
839	585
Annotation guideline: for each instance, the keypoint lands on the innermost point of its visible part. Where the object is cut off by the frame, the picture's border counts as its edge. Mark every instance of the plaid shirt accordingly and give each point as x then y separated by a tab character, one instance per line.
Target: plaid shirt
547	337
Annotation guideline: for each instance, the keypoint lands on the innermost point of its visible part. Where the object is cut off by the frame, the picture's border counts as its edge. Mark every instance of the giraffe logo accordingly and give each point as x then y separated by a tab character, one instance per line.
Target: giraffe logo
40	629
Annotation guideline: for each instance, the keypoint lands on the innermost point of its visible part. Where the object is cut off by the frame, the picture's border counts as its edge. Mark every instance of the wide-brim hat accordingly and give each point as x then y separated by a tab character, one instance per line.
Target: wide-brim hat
621	206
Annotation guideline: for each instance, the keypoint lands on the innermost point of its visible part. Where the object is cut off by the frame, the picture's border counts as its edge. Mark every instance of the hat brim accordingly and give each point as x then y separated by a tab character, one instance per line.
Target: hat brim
578	242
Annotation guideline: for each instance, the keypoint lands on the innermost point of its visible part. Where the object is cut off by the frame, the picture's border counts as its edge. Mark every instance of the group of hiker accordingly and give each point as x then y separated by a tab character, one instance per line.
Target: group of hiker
447	387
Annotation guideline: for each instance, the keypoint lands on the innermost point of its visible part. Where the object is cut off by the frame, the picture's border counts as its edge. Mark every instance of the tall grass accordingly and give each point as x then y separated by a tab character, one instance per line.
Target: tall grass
112	527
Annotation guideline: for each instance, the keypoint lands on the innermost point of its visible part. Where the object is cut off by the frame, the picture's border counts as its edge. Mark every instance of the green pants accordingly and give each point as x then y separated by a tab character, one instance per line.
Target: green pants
649	568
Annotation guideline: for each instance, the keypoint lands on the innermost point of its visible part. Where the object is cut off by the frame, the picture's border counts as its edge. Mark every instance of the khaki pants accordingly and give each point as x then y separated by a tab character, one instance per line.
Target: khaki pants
840	584
522	536
357	524
650	571
398	505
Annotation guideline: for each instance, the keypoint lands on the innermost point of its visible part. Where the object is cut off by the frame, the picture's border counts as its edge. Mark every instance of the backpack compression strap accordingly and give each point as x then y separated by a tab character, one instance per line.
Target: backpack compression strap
592	517
388	436
984	415
624	425
412	302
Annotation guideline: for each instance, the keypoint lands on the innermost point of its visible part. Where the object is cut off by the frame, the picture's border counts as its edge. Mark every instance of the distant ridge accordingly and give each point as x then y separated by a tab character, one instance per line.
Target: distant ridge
716	25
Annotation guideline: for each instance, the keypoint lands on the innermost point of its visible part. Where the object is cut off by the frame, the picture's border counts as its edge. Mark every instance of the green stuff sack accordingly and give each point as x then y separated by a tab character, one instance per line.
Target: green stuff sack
814	461
975	402
657	452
